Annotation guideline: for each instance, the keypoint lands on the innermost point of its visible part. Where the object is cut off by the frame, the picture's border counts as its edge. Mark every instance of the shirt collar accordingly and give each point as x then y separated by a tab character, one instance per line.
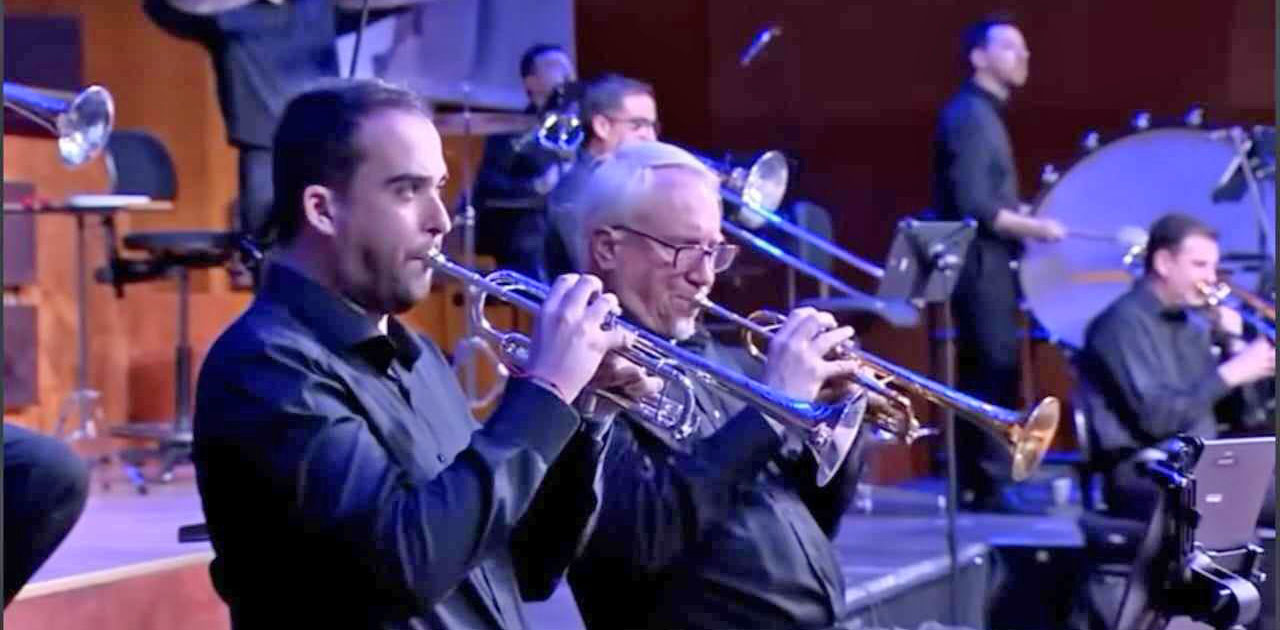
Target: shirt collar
1149	302
996	101
337	323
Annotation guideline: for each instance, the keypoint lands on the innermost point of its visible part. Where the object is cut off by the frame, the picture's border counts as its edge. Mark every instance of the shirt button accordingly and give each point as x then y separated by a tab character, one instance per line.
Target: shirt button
440	457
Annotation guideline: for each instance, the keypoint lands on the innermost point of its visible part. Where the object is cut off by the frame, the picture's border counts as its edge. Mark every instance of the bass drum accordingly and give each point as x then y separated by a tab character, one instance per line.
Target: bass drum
1126	184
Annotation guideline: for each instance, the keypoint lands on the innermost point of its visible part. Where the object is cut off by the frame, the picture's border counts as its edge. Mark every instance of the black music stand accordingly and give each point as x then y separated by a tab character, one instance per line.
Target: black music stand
924	260
923	265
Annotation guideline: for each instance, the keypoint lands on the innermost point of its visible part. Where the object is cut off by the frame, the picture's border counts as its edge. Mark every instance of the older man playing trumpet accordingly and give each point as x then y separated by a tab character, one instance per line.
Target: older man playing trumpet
726	528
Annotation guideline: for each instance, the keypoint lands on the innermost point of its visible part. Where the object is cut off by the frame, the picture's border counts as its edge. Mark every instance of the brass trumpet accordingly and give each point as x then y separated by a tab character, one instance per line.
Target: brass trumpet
1026	435
1256	310
828	429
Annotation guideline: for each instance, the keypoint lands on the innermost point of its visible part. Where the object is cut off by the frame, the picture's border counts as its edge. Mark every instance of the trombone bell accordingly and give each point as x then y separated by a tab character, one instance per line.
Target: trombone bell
81	124
759	187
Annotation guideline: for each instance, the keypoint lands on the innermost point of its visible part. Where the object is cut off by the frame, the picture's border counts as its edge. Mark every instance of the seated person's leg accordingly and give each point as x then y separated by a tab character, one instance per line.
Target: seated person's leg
45	488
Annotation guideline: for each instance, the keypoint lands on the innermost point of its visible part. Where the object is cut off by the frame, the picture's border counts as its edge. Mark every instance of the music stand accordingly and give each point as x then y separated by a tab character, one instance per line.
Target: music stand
923	265
924	260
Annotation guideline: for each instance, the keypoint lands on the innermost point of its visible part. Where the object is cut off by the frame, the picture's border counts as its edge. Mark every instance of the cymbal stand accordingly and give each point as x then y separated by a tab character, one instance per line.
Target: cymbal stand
1243	146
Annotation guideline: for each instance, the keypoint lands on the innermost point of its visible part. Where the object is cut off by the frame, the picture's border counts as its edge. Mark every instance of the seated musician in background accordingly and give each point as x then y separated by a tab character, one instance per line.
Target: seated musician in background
45	489
516	173
345	483
614	109
726	529
1160	361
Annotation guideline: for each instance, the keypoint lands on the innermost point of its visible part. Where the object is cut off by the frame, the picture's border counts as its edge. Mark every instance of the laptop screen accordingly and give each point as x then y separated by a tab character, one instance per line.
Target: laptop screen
1232	478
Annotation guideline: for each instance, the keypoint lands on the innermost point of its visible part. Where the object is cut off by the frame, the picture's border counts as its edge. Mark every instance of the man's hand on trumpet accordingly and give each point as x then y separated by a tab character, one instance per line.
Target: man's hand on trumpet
800	360
572	334
620	375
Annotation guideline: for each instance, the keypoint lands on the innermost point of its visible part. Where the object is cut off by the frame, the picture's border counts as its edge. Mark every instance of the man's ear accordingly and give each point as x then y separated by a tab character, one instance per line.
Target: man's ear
600	125
977	58
318	209
1162	262
602	249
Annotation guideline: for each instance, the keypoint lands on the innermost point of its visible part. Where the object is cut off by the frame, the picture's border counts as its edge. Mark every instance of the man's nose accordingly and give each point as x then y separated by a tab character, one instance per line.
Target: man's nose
703	272
435	217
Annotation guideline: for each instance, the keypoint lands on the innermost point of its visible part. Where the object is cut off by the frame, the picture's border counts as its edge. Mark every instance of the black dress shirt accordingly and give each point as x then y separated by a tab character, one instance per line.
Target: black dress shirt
346	484
1151	372
974	175
722	532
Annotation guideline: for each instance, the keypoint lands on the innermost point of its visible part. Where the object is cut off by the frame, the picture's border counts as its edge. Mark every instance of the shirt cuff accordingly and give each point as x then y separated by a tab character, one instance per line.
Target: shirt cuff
532	415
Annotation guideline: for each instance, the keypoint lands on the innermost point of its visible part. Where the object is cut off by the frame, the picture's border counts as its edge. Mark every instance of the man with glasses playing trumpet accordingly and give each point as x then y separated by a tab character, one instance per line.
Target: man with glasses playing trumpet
725	528
1163	358
344	480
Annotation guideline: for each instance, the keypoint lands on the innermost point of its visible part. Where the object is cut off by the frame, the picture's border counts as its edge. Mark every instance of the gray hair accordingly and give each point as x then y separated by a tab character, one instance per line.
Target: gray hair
608	197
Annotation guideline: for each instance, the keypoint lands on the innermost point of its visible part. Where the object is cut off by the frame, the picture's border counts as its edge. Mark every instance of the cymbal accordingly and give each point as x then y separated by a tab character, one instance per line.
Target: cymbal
483	123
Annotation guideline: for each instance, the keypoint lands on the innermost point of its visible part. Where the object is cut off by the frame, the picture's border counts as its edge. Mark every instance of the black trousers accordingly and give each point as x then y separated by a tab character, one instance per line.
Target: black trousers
255	189
45	488
984	309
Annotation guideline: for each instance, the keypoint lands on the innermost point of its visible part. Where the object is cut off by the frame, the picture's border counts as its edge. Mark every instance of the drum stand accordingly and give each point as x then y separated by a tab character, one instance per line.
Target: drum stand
1244	165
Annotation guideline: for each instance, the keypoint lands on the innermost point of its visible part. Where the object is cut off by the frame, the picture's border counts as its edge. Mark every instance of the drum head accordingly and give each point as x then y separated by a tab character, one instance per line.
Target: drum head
1129	183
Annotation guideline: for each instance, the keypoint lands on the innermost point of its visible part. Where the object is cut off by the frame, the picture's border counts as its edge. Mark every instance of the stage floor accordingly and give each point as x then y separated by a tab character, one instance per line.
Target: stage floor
891	542
123	533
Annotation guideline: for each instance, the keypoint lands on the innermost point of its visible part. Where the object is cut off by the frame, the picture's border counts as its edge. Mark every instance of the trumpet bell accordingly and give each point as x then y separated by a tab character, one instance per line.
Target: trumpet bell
831	442
82	125
1030	440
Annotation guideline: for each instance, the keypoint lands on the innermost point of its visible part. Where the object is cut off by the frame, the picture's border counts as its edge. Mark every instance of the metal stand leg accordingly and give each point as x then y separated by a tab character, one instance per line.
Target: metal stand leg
174	441
83	406
177	449
944	360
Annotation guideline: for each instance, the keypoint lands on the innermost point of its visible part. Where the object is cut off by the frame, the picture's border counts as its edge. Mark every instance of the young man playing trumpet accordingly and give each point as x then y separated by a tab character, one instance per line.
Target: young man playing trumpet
1151	365
726	528
344	480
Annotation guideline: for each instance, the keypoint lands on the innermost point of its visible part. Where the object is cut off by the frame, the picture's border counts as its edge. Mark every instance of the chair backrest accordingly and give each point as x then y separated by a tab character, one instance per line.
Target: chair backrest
139	164
1081	394
817	221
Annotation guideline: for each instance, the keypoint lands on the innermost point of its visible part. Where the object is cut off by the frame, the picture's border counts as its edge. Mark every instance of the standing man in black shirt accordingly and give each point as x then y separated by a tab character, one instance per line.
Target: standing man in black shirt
516	173
726	529
344	480
264	52
974	177
1159	360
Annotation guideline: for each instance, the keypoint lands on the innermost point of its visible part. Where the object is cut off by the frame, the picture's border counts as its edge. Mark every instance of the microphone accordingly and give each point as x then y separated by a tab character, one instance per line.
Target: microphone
761	40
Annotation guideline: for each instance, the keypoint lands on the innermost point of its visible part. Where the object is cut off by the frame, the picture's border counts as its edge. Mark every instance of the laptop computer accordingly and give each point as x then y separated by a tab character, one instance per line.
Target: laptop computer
1232	479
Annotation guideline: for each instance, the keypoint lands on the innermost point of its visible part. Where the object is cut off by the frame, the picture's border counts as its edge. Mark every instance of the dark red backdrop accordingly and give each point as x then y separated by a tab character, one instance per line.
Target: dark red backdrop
851	89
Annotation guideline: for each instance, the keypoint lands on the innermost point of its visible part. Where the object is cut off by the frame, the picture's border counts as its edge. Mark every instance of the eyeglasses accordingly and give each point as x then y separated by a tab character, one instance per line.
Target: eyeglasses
637	123
686	257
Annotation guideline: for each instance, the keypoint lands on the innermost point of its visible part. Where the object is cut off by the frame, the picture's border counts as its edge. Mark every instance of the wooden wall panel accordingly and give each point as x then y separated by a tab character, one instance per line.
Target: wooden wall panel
163	85
166	86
